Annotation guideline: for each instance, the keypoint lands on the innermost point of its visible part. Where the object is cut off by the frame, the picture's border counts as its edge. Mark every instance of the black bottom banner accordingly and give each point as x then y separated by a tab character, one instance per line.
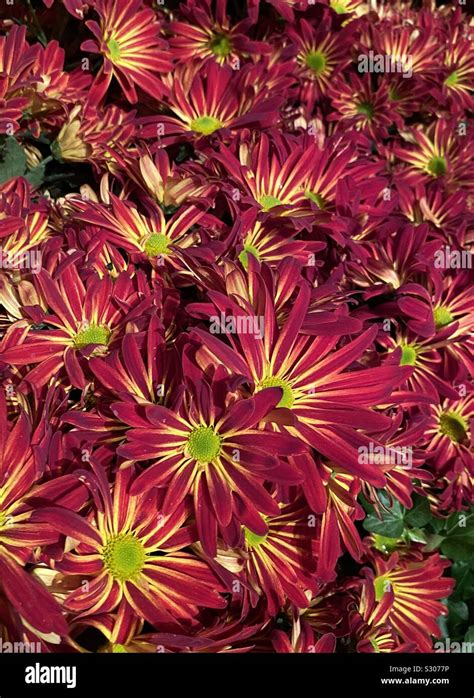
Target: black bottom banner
94	674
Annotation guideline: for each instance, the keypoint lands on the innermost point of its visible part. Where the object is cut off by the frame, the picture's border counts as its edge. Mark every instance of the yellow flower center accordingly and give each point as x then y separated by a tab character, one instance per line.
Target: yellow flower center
267	201
316	199
203	444
366	109
124	556
252	539
442	317
93	334
220	46
339	6
453	425
393	94
452	80
114	50
437	166
287	399
316	61
205	125
244	255
156	244
408	355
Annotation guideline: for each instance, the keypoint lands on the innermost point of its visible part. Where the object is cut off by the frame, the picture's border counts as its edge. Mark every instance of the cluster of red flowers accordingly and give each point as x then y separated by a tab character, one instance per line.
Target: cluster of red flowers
237	323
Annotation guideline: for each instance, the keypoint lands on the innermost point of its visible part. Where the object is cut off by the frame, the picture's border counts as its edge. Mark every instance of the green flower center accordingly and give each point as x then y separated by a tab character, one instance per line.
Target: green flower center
204	445
442	317
408	355
156	244
205	125
393	94
114	50
452	80
267	201
437	166
287	398
367	109
339	6
252	539
124	556
94	334
244	255
220	46
453	425
316	199
316	61
119	649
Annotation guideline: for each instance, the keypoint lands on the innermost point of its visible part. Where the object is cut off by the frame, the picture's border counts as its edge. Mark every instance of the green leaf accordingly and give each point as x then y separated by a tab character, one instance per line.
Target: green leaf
366	505
460	519
391	525
464	575
417	535
437	524
36	175
459	540
458	612
443	626
456	549
433	542
13	160
469	636
420	514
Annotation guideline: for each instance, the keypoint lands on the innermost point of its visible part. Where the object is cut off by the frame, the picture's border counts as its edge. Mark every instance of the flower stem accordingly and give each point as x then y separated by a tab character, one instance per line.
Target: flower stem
40	35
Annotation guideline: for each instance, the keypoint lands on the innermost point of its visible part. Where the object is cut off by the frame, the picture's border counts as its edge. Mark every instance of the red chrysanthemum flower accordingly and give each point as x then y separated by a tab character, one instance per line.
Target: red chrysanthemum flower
150	234
450	431
338	522
211	448
168	184
24	223
439	152
83	320
128	37
236	325
215	97
271	176
16	61
279	564
92	133
415	51
407	596
270	242
330	404
131	550
209	35
458	66
21	496
321	54
362	106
